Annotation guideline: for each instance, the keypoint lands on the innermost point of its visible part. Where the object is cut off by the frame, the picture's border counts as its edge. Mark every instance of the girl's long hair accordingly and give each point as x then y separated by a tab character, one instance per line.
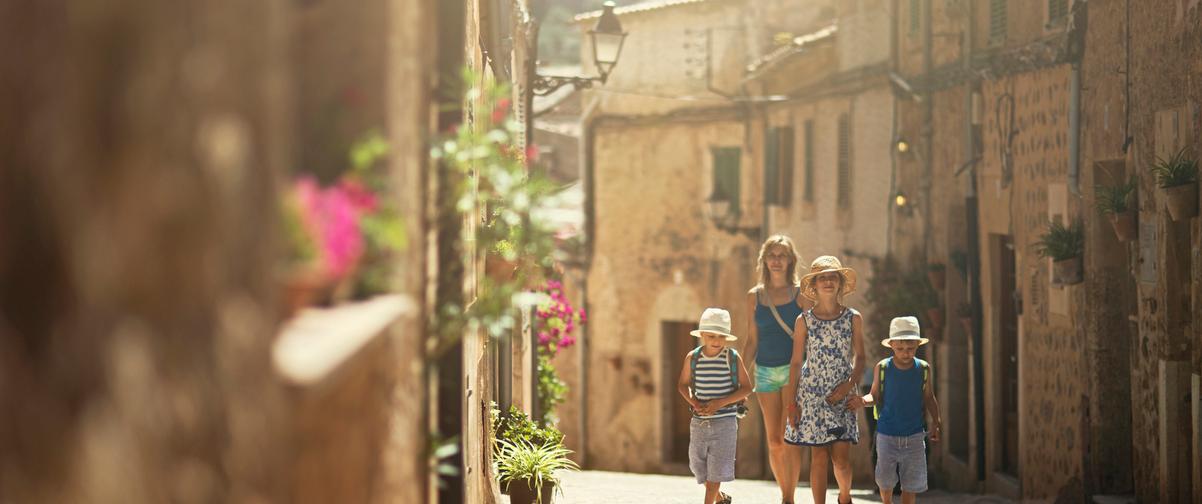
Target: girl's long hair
761	268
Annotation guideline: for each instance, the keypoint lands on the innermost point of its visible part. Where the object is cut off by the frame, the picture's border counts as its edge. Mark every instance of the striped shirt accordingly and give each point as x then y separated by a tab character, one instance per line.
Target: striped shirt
712	380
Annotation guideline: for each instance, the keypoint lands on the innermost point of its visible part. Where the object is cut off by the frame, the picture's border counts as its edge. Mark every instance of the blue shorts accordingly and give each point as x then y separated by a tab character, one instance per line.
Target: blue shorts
901	457
770	379
712	445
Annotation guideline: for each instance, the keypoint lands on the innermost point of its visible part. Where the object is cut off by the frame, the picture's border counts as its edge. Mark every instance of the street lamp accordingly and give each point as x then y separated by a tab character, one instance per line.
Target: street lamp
725	217
607	38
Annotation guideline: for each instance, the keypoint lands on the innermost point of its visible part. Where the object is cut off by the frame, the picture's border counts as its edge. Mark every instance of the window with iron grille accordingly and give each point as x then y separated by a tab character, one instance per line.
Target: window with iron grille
726	175
1057	10
808	191
915	16
844	185
778	166
997	22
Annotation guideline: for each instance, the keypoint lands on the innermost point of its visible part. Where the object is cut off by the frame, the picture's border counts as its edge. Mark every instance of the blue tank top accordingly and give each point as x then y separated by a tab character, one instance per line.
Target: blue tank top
901	406
774	346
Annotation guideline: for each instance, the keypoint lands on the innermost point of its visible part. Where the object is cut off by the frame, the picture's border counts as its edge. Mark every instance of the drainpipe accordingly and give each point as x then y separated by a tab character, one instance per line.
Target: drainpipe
972	209
1074	130
588	121
928	130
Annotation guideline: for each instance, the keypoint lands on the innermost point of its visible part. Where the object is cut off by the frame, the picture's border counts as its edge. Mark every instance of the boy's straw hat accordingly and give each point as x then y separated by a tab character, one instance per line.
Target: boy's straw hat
714	320
827	264
904	329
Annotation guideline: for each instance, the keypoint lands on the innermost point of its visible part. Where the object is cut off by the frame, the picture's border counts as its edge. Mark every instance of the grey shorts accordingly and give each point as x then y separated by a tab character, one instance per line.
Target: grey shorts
903	456
712	448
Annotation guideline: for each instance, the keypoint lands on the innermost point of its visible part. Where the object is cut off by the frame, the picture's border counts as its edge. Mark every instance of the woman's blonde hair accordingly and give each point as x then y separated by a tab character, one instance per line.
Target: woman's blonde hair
761	268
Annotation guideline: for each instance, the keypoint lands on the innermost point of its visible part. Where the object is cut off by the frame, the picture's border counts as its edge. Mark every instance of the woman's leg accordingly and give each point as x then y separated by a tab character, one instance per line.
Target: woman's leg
819	458
840	457
772	406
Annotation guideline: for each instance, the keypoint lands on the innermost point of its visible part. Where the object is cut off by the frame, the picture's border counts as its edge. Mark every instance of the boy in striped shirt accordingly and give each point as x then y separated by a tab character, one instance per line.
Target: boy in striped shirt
714	382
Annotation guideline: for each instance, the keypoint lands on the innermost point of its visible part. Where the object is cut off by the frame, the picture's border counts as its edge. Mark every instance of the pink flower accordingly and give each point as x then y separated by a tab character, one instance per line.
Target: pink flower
544	338
360	196
501	110
332	218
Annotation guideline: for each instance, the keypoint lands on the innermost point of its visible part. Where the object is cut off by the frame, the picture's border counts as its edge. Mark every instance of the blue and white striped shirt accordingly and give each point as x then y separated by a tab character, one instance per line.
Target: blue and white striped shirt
712	380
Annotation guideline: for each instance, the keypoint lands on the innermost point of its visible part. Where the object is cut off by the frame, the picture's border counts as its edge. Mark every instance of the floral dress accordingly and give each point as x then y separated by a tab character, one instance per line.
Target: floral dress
828	363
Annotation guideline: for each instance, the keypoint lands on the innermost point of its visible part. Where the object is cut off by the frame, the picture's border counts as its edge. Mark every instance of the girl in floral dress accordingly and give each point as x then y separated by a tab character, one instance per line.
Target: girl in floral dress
828	358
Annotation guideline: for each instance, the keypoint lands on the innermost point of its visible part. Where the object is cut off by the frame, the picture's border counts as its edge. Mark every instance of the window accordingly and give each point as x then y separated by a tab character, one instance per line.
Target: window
915	16
778	166
844	186
997	22
808	192
1057	10
726	176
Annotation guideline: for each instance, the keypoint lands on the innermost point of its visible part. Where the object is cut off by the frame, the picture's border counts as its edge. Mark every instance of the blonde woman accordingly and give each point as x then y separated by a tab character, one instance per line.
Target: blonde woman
774	304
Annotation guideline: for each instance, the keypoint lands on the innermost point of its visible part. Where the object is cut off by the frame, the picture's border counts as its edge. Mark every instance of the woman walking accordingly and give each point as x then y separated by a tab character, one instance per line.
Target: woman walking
774	304
828	359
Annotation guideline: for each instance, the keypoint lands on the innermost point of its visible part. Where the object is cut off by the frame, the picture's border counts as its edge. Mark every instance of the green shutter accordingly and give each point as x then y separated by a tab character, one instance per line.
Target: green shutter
997	22
808	190
771	166
726	176
915	16
785	186
844	185
1057	9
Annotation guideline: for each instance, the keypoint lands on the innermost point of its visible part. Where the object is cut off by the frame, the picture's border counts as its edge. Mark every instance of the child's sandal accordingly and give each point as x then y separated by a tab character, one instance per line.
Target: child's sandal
723	498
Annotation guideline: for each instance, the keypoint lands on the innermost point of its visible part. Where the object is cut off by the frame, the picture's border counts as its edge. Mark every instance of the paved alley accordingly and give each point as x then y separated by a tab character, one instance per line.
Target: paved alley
598	487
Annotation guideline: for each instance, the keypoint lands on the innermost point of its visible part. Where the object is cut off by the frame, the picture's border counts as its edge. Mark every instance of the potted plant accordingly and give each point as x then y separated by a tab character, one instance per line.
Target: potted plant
1178	180
1114	201
1064	245
959	259
937	275
964	313
935	316
530	470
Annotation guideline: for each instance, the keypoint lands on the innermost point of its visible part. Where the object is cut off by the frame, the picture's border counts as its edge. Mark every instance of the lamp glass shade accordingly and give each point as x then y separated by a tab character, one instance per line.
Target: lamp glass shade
606	49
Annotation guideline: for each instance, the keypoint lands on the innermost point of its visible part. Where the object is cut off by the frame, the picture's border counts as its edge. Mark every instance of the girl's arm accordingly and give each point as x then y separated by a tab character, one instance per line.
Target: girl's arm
752	346
932	405
857	348
799	348
874	394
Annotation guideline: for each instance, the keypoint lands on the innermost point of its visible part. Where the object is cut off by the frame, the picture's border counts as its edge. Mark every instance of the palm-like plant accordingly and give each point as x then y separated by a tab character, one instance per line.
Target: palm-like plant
1115	199
522	460
1177	170
1061	242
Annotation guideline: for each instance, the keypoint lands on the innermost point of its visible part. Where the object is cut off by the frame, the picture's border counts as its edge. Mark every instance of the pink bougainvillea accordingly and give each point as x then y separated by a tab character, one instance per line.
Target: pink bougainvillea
331	215
559	319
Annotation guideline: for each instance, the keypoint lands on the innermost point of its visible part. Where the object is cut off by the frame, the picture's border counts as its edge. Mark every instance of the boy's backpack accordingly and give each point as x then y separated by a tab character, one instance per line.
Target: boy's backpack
926	372
740	407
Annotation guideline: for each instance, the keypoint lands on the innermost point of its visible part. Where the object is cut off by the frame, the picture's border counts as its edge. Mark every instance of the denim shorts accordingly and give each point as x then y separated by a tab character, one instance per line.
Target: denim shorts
904	457
771	379
712	448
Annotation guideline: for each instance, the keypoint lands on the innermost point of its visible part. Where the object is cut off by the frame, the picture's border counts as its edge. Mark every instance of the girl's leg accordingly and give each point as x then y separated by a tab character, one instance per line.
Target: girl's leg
711	491
909	497
842	462
819	458
780	453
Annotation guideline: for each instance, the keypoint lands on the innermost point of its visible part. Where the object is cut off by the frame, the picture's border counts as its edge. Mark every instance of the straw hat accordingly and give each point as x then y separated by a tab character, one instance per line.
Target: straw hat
904	329
827	264
714	320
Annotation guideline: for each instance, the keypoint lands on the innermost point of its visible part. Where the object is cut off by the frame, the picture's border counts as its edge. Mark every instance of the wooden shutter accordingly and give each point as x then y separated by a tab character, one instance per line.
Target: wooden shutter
915	16
997	22
844	184
771	166
785	162
1057	9
726	175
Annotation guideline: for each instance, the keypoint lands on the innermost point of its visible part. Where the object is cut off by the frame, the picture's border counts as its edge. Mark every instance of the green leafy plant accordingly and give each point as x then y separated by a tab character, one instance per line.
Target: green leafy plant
1114	199
959	260
535	464
551	389
1061	242
514	425
1178	170
936	267
383	229
897	291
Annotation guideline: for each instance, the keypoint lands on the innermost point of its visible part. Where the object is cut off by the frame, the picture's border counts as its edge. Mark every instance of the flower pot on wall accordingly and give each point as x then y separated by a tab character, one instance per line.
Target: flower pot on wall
1182	201
935	317
1067	272
1124	225
498	268
521	493
937	276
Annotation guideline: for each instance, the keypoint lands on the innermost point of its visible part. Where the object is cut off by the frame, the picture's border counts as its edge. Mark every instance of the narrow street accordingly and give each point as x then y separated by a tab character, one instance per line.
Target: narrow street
599	487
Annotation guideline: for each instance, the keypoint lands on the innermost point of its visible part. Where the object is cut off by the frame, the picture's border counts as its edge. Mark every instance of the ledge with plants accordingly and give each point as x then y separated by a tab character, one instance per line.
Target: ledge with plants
1064	245
1177	177
527	458
1115	202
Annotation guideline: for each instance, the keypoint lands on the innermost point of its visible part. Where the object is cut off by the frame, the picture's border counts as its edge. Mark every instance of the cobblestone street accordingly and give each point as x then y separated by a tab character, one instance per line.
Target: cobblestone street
597	487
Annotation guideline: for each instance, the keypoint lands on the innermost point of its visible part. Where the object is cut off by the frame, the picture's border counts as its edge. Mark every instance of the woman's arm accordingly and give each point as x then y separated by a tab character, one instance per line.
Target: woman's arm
751	348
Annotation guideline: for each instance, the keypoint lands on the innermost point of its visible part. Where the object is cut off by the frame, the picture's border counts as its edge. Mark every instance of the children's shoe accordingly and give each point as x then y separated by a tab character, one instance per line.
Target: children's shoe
723	498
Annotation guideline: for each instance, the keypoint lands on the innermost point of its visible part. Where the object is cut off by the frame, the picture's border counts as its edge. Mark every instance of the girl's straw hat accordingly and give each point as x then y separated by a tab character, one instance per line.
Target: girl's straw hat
827	264
714	320
904	329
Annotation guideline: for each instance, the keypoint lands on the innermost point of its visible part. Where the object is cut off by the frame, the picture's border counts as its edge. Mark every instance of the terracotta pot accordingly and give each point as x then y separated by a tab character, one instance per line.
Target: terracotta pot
521	493
499	269
301	287
935	316
1182	201
1067	272
938	278
1124	225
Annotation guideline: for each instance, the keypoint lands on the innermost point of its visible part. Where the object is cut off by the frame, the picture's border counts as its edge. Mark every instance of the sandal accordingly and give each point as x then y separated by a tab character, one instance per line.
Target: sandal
723	498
